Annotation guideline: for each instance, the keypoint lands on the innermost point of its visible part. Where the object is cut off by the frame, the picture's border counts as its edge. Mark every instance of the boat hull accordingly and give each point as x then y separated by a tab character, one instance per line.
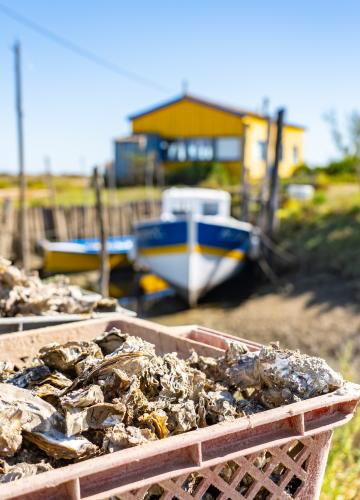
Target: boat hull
84	255
194	255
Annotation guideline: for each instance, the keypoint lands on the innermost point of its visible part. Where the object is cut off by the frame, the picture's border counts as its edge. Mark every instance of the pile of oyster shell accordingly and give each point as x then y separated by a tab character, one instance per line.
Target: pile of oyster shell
25	294
82	399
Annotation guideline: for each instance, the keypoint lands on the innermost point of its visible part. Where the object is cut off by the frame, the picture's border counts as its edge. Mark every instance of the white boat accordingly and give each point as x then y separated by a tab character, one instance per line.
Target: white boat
195	244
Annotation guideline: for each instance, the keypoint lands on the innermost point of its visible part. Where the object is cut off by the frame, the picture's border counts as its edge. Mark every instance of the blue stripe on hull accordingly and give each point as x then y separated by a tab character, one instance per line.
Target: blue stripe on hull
219	236
160	234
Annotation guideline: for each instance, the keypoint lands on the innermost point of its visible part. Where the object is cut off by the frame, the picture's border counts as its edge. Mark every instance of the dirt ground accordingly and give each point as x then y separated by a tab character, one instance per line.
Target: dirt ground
318	315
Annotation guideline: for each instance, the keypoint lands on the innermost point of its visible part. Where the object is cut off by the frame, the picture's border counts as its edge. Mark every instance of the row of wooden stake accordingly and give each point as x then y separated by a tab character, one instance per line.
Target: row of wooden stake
61	223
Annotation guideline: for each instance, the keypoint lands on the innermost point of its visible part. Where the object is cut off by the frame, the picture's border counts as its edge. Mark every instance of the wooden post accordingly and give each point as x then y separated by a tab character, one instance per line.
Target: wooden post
244	187
264	187
49	181
85	172
160	174
149	171
273	199
23	233
104	260
7	228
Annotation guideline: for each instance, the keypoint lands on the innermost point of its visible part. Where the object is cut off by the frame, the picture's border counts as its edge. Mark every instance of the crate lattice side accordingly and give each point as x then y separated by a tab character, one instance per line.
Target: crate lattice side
293	470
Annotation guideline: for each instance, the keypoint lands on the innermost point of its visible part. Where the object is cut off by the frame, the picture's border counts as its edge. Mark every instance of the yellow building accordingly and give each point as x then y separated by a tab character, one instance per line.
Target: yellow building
190	130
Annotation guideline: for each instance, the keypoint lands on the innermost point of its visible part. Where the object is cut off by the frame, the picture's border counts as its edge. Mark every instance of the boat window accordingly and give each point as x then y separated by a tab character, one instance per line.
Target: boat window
210	208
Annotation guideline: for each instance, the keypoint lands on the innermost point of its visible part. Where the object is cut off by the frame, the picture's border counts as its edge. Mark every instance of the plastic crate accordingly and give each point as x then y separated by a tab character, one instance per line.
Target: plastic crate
279	453
20	323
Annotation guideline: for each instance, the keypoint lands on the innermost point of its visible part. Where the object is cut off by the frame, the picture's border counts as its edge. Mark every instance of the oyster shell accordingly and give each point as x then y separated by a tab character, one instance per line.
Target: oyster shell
57	445
64	357
30	376
135	402
35	414
23	469
156	421
220	405
122	360
182	417
279	376
26	294
82	398
10	431
120	437
99	416
6	368
110	341
40	423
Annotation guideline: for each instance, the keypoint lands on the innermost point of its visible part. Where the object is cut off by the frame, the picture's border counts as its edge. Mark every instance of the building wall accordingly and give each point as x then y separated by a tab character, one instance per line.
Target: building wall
292	137
257	130
185	119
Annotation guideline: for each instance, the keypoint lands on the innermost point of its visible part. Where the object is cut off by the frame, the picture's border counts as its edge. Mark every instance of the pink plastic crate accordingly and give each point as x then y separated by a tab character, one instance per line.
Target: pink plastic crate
279	453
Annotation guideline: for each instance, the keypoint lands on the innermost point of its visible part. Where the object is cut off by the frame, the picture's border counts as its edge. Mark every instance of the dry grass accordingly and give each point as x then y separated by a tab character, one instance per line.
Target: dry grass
70	191
325	236
342	476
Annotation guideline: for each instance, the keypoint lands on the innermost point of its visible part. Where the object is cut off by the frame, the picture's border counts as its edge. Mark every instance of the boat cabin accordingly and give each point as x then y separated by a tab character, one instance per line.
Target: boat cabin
178	202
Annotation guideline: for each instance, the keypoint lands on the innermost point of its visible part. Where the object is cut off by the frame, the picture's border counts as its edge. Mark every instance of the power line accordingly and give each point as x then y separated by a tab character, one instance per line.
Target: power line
80	51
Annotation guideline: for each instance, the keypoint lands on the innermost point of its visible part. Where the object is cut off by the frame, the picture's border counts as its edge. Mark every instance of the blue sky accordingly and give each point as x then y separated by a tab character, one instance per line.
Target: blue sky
303	55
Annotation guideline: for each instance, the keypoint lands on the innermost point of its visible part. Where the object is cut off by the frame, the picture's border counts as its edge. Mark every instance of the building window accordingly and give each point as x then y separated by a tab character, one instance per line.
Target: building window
261	150
295	155
201	149
227	149
177	151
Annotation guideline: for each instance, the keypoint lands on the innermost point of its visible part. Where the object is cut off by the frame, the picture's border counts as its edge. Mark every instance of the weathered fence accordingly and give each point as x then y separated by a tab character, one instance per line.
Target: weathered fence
60	223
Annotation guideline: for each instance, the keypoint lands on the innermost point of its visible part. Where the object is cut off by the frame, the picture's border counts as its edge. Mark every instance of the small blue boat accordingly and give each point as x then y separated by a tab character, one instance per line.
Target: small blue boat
84	254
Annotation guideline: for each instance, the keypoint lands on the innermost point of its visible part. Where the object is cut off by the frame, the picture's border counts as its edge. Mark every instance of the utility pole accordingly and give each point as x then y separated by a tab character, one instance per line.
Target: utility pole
244	188
273	199
23	232
104	258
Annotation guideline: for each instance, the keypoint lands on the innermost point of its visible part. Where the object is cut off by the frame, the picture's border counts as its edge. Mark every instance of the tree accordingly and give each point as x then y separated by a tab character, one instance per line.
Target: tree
347	142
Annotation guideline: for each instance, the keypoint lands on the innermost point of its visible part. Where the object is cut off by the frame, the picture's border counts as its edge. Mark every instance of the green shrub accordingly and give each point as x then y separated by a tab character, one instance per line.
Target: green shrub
348	165
6	182
319	198
207	174
218	176
339	171
36	183
189	174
